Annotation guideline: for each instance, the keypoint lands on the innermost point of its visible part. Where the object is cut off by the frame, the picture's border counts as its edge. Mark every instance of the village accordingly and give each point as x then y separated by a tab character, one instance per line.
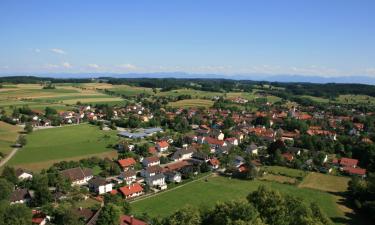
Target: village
160	149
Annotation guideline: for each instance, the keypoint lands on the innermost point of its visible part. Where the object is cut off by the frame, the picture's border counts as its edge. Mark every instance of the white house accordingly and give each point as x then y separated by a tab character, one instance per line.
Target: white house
128	176
173	177
99	185
162	146
78	176
151	161
157	180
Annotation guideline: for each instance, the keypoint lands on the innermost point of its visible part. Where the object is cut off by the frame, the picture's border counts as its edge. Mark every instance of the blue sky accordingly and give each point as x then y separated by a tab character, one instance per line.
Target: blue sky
309	37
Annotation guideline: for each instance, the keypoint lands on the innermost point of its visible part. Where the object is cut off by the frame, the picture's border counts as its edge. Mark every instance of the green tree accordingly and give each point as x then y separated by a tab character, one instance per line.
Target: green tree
28	128
9	173
110	215
185	216
6	189
16	214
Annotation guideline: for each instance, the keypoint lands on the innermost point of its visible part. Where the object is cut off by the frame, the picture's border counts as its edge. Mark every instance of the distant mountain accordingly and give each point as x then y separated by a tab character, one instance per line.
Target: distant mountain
180	75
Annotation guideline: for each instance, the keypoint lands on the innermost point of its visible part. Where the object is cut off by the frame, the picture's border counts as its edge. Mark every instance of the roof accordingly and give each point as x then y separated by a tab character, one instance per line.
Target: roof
19	194
77	173
163	144
154	169
97	181
213	141
126	162
152	130
156	177
131	189
128	173
180	152
20	171
214	162
356	171
152	159
176	166
130	220
348	162
84	213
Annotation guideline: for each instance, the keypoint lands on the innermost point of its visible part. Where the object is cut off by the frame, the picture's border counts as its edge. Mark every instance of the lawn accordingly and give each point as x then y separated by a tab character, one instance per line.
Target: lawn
204	194
284	171
192	92
64	143
325	182
129	90
191	103
8	136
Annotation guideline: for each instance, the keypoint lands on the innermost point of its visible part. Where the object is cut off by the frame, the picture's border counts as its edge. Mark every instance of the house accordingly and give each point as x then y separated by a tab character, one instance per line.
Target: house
99	185
127	163
252	149
131	191
88	216
39	218
182	154
151	161
151	171
156	180
214	163
200	156
128	176
214	143
288	156
355	171
238	161
348	162
20	196
78	176
162	146
173	177
130	220
216	134
232	141
23	175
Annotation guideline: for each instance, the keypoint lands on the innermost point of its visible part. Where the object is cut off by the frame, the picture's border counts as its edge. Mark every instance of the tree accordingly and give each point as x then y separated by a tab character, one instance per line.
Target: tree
118	201
22	140
28	128
109	215
65	215
42	195
185	216
9	173
233	213
6	189
17	214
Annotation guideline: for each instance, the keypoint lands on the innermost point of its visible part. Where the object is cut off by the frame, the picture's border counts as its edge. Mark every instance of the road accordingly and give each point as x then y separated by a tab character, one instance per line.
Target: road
8	157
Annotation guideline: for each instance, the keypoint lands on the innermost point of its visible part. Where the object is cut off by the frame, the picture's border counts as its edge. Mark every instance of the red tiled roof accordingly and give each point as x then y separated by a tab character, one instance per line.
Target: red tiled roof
152	150
163	144
356	171
348	162
213	141
126	162
214	162
130	220
288	156
131	189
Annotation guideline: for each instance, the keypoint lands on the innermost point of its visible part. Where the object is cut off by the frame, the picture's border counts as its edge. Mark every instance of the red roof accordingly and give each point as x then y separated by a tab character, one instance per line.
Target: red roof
163	144
213	141
346	162
356	171
288	156
126	162
130	220
214	162
131	189
152	150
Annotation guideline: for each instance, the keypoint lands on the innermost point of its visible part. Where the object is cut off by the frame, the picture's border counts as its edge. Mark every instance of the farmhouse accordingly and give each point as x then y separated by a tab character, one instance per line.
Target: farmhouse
20	196
182	154
23	175
131	191
78	176
130	220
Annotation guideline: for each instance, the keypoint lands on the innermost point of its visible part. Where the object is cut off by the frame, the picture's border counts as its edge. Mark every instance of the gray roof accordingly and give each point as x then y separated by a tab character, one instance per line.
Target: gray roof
156	177
152	130
97	181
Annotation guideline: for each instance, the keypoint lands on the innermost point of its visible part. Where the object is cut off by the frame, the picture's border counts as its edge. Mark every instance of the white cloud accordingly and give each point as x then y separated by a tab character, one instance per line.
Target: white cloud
66	65
128	66
370	71
37	50
93	66
58	51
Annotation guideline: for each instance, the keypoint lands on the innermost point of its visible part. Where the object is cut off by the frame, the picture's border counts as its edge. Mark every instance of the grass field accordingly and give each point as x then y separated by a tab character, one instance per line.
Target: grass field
325	182
8	136
191	103
63	143
284	171
204	194
129	90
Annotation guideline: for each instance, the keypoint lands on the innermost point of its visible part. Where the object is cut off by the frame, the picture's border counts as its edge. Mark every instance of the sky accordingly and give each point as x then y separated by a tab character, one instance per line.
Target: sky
304	37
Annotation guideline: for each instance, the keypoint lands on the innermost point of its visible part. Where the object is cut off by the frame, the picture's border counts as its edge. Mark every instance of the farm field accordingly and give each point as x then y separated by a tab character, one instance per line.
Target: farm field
325	182
129	90
63	143
8	136
204	194
191	103
37	98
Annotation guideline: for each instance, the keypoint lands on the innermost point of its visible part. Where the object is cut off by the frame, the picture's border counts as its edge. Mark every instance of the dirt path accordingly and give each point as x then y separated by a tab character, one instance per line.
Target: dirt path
8	157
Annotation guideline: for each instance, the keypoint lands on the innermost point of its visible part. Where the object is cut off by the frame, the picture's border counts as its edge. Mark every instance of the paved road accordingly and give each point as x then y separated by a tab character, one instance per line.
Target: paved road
8	157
